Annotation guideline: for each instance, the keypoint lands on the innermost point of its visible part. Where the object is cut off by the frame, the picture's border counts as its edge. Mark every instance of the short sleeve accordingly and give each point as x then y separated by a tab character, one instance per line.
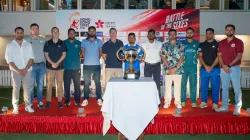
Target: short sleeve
200	48
65	49
220	47
8	55
46	47
181	52
79	48
100	44
240	47
163	52
141	52
31	52
83	44
104	48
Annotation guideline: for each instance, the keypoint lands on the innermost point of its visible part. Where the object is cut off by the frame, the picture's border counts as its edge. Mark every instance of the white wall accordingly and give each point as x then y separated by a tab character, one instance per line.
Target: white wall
46	20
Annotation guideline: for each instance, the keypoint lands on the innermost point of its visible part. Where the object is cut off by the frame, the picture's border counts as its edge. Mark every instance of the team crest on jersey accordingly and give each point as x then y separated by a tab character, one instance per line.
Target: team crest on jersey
233	45
76	46
59	46
194	46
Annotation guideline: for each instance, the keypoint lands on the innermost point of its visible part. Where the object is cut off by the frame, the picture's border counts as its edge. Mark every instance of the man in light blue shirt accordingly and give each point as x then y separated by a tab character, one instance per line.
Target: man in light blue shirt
92	51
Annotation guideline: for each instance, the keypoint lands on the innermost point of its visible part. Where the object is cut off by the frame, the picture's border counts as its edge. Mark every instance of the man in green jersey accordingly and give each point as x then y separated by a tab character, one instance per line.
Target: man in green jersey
190	67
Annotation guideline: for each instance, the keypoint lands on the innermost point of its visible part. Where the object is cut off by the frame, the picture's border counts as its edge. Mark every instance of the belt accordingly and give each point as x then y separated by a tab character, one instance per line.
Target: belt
153	64
38	63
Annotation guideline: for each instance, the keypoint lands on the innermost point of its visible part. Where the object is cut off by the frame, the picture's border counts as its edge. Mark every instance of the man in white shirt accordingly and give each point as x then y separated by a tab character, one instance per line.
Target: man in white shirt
153	59
19	55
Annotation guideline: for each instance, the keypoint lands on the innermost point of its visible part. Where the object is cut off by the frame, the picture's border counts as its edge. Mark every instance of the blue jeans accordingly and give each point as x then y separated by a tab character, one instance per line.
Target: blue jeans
38	71
234	76
87	72
214	76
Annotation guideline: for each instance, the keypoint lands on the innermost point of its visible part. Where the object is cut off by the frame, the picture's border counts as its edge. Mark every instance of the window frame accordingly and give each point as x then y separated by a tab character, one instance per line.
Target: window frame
230	10
210	10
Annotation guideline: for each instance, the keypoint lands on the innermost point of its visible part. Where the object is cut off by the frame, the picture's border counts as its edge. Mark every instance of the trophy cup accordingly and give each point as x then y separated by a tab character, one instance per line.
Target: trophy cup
130	55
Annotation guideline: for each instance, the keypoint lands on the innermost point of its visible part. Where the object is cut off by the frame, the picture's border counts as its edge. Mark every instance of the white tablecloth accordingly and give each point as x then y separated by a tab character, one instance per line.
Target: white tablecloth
130	104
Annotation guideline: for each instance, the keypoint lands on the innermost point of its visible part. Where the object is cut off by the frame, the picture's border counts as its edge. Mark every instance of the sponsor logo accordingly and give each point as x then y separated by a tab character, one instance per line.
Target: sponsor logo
84	23
74	20
183	34
99	24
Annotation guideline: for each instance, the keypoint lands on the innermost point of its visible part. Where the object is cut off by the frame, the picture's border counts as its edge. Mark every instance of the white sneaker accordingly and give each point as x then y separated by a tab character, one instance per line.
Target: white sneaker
236	112
222	109
29	109
84	103
178	106
166	105
99	102
15	111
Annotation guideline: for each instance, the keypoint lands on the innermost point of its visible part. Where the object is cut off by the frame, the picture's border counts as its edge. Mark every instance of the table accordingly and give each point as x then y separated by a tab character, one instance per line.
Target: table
130	104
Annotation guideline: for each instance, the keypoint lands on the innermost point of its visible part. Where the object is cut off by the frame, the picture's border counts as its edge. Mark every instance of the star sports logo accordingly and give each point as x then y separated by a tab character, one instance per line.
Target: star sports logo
99	24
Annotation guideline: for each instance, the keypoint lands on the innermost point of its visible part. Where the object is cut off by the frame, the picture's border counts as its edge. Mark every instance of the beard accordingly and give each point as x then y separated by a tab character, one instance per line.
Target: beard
229	35
91	36
71	38
189	37
19	38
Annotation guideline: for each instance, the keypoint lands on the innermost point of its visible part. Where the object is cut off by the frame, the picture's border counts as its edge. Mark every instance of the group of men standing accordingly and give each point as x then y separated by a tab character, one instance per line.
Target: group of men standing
31	58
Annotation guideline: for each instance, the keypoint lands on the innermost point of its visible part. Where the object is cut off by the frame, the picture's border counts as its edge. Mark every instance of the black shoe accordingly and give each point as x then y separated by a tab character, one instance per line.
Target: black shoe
60	105
48	105
67	103
77	103
40	105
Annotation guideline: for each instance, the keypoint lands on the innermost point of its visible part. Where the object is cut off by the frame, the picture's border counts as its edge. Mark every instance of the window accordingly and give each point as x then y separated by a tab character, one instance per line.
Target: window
67	4
91	4
162	4
45	5
114	4
4	5
248	4
185	4
209	4
138	4
234	4
20	5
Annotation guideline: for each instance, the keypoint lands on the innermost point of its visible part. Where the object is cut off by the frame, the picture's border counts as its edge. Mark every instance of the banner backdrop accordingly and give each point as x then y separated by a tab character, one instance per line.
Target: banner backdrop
126	21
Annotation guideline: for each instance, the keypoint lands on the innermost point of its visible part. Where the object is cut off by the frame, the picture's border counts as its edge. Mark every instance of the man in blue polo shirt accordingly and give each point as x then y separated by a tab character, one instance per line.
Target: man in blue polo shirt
72	67
133	45
92	51
113	66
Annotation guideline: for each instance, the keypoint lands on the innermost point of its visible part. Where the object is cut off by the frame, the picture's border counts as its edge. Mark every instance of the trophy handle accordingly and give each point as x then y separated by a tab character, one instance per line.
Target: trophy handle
117	54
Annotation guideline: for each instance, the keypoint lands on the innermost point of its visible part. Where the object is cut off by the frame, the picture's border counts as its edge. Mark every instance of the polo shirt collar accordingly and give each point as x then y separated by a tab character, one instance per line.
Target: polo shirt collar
210	42
151	43
70	41
59	41
176	44
117	40
89	37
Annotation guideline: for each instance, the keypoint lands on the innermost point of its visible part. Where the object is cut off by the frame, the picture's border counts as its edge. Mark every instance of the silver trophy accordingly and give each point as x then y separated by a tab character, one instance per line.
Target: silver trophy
130	55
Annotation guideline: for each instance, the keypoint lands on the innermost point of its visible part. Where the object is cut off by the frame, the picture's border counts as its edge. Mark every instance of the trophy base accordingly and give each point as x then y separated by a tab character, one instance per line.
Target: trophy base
131	76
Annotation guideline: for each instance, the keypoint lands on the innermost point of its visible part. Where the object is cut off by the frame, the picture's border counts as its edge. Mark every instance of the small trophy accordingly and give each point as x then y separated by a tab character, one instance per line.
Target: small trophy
5	110
80	112
130	55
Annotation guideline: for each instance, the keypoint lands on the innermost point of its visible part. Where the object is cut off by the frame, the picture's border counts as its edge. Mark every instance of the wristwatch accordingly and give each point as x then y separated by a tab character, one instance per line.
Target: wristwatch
175	66
229	66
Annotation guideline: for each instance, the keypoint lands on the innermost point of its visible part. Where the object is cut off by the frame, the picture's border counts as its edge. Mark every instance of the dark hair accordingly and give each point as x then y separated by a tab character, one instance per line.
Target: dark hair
151	31
71	29
92	27
190	28
133	34
172	30
210	29
34	24
19	28
230	25
54	28
112	29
